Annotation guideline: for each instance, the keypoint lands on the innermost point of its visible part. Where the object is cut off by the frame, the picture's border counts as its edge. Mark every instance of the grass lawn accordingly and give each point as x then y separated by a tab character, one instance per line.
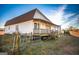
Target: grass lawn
65	45
62	46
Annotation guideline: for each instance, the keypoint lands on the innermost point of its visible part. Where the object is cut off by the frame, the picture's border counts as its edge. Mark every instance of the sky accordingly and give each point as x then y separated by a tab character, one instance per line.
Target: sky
64	15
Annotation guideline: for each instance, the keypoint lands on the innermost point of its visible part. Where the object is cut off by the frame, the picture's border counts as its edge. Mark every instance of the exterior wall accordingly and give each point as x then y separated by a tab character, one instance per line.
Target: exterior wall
38	15
54	28
24	27
10	29
43	25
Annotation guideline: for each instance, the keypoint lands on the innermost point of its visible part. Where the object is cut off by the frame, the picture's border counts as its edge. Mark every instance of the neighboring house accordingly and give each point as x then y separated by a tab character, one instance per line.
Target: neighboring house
1	31
31	22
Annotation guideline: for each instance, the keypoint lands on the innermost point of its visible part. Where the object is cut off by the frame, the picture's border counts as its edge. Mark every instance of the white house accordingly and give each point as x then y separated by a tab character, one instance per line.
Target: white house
31	22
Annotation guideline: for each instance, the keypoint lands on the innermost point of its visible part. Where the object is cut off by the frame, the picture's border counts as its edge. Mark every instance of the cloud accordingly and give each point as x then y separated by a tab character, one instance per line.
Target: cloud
66	16
74	22
58	15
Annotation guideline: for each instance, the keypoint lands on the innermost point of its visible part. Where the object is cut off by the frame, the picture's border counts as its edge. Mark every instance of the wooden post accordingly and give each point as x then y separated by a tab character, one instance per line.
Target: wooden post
17	43
16	48
13	44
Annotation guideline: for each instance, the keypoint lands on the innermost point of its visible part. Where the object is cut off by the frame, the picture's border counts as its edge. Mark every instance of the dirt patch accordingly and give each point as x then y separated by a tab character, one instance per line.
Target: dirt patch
74	33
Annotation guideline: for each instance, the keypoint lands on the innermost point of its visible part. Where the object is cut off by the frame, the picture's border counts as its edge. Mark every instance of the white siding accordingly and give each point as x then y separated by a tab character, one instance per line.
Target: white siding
10	29
38	15
24	27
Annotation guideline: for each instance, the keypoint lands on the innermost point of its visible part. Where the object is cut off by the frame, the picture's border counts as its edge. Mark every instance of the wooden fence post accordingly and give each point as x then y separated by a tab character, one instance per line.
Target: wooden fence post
16	45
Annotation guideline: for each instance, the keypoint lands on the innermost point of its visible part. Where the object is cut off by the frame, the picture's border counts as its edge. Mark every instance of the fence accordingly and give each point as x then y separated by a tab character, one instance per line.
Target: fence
20	42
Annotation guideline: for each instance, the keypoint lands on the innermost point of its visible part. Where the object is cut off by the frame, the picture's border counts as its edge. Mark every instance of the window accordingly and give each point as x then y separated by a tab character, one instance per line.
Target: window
36	26
17	28
9	28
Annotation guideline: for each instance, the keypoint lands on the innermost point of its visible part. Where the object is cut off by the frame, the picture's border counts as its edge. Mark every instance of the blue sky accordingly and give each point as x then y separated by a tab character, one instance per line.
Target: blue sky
58	13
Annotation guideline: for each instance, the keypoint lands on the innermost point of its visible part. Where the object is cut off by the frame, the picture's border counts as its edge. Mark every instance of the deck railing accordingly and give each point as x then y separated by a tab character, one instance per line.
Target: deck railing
41	31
